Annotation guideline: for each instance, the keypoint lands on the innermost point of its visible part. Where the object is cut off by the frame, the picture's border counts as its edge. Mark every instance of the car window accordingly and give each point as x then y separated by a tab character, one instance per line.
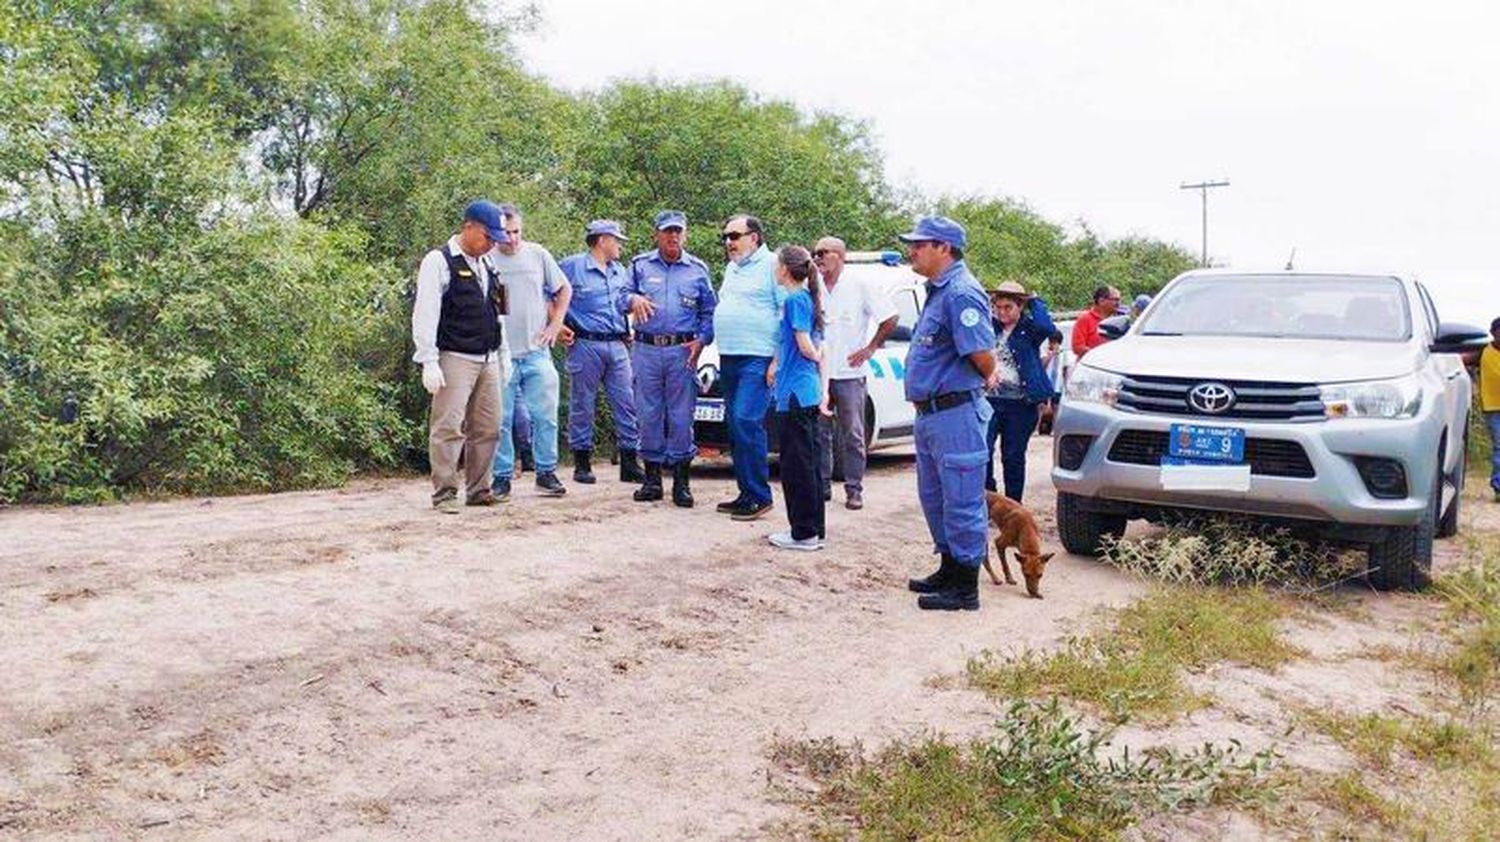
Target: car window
1429	309
1291	306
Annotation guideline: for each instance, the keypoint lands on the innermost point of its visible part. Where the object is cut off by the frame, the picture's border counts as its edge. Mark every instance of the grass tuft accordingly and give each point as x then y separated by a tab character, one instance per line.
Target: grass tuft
1040	775
1234	551
1134	667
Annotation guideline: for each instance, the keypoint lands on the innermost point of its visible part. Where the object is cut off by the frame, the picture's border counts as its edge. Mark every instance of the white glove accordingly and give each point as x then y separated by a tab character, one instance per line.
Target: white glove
432	377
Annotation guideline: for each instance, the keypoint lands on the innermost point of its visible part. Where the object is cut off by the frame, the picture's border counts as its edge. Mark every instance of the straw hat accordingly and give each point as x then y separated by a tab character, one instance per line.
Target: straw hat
1011	289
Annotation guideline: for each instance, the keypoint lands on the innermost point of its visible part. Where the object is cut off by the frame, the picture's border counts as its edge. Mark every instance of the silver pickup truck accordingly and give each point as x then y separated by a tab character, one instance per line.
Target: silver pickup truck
1333	403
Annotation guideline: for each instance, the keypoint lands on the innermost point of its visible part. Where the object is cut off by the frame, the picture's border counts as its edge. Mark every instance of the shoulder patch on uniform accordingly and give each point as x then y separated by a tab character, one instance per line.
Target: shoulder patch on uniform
969	317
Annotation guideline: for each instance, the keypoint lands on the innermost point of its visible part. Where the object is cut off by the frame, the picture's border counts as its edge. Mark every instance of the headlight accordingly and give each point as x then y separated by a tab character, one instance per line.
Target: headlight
1399	398
1092	385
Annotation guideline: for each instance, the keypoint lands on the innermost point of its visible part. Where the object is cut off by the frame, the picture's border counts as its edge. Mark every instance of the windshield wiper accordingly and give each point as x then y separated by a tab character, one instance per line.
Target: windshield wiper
1160	333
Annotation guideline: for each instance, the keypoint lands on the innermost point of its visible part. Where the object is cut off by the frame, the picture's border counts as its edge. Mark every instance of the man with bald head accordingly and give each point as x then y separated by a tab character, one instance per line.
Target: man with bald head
859	316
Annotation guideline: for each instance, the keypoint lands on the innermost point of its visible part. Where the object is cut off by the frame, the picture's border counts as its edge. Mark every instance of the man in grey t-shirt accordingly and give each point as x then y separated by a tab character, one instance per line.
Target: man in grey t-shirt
538	294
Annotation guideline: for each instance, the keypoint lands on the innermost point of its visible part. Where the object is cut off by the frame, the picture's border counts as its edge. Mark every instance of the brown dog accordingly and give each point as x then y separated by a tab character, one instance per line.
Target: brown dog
1018	531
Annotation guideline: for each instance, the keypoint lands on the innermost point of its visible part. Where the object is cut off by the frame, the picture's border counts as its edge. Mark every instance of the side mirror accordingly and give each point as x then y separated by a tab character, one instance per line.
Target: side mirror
1114	327
902	333
1455	338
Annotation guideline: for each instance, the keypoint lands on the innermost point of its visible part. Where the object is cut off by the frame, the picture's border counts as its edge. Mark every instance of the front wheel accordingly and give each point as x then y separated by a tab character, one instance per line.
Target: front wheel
1448	525
1082	531
1402	560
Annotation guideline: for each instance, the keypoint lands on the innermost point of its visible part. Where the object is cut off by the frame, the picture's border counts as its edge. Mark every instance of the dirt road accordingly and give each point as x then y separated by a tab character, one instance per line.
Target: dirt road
350	663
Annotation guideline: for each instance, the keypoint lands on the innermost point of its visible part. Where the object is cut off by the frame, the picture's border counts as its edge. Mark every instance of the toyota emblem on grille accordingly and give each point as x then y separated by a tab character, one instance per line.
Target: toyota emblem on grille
1211	398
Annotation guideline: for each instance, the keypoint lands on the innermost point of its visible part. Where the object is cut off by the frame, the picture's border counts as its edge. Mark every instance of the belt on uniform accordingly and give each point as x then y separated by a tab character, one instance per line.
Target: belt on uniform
947	400
662	340
599	337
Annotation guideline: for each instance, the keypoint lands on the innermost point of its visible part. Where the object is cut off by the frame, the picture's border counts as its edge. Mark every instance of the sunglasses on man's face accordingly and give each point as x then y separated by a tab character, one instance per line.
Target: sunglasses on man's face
733	236
917	244
818	254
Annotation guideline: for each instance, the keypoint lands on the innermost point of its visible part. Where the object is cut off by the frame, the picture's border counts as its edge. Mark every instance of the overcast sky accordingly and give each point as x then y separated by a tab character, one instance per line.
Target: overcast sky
1365	135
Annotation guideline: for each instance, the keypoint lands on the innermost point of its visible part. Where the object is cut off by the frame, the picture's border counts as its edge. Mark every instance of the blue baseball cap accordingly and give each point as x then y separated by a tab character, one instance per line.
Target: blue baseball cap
605	226
1141	301
671	219
487	213
940	229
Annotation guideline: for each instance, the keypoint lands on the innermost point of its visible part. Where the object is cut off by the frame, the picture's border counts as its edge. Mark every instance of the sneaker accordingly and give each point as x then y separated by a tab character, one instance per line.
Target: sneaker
729	507
854	501
446	501
785	541
548	484
483	498
751	511
500	489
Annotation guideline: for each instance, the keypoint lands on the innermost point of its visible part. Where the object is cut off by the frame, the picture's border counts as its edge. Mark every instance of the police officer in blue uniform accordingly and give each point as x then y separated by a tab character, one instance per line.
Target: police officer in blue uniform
673	304
950	363
597	353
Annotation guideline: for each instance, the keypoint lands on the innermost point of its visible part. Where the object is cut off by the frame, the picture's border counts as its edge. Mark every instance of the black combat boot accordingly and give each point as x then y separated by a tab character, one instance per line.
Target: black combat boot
938	580
681	494
526	462
583	471
651	489
962	593
630	468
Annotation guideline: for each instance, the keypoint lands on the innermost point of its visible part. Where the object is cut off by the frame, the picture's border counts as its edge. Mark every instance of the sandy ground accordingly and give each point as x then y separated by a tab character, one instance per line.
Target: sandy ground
348	663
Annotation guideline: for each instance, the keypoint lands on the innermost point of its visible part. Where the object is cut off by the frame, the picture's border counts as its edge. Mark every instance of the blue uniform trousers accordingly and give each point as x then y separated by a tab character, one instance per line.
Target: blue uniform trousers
591	362
665	393
534	380
521	424
746	399
1012	423
950	479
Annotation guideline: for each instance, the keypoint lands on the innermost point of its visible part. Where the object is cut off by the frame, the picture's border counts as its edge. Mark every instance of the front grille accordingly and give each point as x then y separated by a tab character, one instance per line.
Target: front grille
1255	399
1266	457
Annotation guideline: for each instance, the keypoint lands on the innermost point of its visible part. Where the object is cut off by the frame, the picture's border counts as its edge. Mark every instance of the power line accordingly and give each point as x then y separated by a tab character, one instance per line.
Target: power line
1203	187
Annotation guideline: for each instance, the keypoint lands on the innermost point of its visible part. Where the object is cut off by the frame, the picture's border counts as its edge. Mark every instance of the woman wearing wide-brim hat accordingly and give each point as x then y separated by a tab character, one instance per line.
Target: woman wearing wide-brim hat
1022	325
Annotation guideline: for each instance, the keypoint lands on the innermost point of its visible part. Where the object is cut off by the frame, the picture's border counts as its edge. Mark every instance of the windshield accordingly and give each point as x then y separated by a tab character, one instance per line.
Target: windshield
1293	307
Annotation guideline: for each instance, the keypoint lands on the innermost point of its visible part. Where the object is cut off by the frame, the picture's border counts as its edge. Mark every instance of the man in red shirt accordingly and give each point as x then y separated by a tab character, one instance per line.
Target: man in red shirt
1086	330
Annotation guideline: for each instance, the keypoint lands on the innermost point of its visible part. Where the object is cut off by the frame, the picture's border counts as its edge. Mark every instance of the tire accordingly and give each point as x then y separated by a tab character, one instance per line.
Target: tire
1448	526
1403	560
1081	530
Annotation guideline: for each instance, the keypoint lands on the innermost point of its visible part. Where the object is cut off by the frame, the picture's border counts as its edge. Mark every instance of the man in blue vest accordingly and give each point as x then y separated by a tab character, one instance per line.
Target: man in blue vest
456	328
950	362
596	316
673	301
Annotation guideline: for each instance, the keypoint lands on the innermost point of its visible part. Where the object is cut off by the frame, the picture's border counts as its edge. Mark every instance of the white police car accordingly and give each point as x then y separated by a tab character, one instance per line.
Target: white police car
888	416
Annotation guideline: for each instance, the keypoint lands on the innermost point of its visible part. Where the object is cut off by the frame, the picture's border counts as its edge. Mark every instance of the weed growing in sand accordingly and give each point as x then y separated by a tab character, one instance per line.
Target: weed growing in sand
1473	595
1134	666
1040	775
1229	550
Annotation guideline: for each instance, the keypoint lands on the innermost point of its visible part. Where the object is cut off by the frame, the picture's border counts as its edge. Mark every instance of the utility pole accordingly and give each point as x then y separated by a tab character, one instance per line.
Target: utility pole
1203	187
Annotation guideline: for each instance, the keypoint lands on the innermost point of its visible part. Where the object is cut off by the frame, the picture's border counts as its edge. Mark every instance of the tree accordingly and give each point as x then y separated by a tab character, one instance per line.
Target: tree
714	149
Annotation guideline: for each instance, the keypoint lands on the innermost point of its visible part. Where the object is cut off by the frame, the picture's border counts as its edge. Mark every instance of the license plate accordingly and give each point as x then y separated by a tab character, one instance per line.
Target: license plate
1192	443
709	410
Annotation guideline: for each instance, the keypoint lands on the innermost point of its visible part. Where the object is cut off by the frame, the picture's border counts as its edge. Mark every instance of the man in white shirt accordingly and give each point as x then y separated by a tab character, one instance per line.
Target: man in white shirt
456	328
859	317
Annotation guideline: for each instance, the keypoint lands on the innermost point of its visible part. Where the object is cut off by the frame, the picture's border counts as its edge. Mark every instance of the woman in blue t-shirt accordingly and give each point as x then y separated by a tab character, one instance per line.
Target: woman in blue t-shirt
800	382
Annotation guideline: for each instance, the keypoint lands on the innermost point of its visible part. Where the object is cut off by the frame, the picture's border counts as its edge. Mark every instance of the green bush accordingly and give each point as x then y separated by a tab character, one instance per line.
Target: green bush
241	356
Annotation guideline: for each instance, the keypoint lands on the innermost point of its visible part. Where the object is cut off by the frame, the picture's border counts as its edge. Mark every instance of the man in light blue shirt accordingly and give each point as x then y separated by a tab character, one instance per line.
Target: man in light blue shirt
746	323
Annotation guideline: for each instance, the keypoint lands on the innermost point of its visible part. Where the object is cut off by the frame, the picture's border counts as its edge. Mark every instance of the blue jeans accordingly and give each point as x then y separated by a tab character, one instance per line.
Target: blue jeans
746	399
1013	423
534	378
1492	420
